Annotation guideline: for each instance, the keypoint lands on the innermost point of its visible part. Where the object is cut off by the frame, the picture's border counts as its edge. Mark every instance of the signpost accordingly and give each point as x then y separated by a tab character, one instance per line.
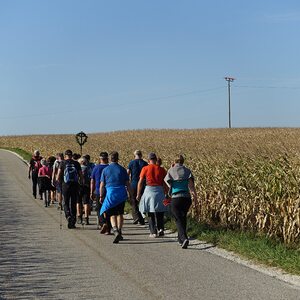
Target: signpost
81	139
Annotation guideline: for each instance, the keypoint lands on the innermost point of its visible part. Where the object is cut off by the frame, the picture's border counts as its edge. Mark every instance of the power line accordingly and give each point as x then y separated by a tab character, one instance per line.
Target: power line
54	113
267	87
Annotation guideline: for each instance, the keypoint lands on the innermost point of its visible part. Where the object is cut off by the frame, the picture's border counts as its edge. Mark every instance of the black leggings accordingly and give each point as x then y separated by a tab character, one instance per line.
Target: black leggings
156	221
180	207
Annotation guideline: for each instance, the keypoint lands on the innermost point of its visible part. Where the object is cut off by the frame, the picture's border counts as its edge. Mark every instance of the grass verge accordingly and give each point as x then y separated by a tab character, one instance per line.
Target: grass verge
257	248
26	155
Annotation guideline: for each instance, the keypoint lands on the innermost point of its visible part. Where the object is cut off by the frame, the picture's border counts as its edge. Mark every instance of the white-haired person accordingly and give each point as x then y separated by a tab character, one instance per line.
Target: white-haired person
182	189
44	179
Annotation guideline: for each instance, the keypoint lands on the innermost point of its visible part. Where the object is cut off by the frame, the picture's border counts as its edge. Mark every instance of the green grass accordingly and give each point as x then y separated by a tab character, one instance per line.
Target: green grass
26	155
260	249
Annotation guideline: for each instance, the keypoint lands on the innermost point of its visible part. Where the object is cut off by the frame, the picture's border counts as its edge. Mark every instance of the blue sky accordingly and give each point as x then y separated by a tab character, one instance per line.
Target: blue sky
68	65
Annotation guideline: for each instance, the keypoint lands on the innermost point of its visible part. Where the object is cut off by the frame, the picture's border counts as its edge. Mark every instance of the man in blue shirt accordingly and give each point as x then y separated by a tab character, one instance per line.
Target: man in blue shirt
134	170
95	191
114	181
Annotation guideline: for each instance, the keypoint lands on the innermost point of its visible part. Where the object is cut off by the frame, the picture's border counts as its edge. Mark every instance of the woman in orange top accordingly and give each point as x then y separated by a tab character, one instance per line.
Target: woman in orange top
151	201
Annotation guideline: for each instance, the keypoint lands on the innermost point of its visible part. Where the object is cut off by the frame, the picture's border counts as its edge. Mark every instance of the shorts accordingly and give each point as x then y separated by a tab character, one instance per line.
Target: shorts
117	210
58	186
84	195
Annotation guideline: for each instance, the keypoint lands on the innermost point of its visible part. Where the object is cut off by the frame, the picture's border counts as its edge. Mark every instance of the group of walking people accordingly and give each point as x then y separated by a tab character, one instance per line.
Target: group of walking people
76	184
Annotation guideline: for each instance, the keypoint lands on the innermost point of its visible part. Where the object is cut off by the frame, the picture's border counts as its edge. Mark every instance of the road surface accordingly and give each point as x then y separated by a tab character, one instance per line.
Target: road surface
38	260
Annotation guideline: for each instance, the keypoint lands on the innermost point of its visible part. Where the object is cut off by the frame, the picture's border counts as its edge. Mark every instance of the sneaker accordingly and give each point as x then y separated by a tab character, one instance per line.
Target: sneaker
142	222
153	235
117	237
69	222
185	244
161	233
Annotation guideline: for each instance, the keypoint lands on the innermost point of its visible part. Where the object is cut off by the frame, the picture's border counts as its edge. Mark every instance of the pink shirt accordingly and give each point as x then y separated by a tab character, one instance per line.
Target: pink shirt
45	171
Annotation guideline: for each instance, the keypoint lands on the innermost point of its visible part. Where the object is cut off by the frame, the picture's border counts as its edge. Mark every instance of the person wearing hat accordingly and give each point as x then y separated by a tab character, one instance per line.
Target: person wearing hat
102	222
70	170
151	201
33	171
134	170
113	193
181	182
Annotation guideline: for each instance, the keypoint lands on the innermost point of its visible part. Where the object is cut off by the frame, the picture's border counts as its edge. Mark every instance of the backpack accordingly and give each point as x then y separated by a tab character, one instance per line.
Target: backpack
70	172
86	173
36	164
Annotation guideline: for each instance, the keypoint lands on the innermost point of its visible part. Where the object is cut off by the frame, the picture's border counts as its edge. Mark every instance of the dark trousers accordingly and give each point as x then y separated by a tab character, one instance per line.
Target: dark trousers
70	194
34	177
136	214
101	218
180	207
156	221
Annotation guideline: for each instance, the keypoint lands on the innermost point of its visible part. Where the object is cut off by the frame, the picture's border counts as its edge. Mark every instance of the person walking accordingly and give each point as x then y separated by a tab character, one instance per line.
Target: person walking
33	171
134	170
102	220
151	201
83	201
181	182
44	180
57	183
114	181
70	170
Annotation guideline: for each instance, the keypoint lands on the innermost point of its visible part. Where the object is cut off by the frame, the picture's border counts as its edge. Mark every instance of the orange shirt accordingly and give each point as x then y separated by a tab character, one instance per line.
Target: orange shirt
154	175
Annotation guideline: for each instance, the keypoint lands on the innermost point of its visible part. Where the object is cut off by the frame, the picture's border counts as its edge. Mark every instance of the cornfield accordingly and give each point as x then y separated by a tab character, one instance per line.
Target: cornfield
247	179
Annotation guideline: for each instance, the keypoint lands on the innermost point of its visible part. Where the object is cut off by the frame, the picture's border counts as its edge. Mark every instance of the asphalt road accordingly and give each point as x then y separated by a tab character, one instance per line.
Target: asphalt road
38	260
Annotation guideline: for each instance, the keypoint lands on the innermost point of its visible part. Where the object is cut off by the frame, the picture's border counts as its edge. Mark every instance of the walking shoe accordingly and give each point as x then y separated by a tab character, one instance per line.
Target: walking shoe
103	229
69	222
161	233
142	222
34	196
185	244
86	221
117	237
153	235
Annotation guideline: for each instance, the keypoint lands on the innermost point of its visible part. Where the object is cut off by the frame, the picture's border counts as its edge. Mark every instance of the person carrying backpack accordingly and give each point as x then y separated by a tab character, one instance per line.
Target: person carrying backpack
71	173
57	183
33	171
134	170
84	192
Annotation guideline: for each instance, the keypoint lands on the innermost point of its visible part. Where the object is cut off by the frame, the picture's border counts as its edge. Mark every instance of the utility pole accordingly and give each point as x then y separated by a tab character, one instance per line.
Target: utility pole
229	80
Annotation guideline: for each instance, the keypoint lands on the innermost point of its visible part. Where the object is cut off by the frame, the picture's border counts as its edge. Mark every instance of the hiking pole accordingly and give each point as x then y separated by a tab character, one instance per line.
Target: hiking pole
60	224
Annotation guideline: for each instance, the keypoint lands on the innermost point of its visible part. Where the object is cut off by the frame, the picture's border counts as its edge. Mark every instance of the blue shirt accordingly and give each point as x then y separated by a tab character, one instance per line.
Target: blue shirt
135	167
114	175
96	175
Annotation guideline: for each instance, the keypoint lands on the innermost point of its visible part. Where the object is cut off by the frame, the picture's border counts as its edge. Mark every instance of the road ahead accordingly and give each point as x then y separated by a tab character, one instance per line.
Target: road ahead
38	260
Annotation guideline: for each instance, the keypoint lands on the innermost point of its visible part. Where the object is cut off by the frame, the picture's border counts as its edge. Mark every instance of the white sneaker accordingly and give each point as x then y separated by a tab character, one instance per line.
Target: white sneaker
153	235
